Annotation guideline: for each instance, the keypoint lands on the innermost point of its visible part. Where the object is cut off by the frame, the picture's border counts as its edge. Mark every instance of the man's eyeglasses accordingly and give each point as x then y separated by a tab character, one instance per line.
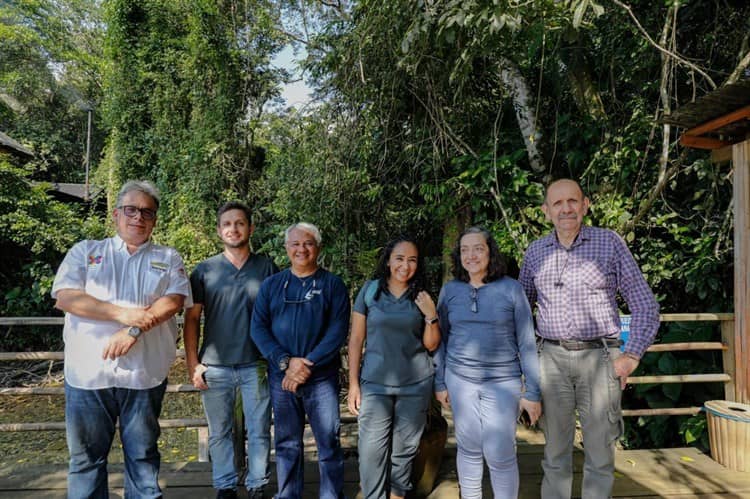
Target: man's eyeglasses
307	296
131	211
474	300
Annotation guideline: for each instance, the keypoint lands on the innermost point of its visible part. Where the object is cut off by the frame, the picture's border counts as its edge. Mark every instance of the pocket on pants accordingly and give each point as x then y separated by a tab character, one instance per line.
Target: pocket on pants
614	408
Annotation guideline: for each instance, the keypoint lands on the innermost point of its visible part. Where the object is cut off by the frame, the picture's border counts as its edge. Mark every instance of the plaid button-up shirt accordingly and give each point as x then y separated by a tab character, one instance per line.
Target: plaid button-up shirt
575	289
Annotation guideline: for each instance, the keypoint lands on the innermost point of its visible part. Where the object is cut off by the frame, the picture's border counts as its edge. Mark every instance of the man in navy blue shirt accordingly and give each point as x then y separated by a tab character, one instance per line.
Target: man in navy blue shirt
300	321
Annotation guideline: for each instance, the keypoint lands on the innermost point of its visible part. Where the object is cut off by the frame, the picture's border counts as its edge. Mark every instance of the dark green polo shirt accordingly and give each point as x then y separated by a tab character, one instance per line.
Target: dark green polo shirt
394	353
228	295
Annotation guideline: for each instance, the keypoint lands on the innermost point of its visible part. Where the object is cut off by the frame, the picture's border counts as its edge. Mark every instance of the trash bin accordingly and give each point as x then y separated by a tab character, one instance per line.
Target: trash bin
729	433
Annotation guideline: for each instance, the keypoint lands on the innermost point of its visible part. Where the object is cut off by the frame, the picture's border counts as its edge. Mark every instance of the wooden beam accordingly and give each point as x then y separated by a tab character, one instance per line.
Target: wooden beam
668	411
702	142
722	155
679	378
727	358
719	122
706	316
741	188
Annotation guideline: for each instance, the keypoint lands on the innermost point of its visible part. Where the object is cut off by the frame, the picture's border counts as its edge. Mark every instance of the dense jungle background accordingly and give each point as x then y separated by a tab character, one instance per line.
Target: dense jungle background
427	115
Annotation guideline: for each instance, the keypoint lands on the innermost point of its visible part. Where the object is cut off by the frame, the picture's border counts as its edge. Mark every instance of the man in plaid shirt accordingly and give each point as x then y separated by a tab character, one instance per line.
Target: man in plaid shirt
573	276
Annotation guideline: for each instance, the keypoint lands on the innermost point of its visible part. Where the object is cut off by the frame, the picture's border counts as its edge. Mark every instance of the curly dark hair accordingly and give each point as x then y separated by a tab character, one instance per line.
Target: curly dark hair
497	267
383	272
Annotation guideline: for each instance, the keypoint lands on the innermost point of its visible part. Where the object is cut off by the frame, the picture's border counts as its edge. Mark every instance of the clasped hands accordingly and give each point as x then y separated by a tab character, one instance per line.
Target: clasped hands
121	342
297	373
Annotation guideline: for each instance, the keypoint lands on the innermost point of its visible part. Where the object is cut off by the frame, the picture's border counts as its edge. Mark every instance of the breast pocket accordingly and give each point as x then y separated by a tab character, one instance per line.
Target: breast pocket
155	283
595	277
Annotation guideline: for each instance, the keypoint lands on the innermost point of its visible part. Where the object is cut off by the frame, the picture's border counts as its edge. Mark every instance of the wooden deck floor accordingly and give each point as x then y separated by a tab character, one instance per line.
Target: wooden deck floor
670	473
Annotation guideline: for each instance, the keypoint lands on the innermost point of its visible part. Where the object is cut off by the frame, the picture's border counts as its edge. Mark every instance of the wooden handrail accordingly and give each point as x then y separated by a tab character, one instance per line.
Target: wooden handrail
727	377
681	317
680	378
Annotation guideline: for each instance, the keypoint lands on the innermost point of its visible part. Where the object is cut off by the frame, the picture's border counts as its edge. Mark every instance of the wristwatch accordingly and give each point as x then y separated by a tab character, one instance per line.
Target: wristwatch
135	332
431	321
284	363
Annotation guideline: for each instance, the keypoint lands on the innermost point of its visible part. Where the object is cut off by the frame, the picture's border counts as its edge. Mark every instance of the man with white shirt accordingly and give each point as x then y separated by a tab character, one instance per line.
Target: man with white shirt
119	296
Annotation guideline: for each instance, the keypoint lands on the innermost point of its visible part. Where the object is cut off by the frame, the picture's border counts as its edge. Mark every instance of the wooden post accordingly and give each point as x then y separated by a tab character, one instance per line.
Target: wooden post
727	357
741	160
203	444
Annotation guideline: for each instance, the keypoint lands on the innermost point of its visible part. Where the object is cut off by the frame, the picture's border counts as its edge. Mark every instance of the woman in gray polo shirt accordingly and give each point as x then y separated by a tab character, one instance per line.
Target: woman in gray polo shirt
396	320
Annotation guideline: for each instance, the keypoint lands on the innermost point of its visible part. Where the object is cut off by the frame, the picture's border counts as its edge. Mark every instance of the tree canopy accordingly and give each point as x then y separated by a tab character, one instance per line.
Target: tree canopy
427	116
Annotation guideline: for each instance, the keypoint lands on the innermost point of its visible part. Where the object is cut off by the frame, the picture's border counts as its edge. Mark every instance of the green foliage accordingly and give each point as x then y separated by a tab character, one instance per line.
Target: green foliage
35	231
50	60
415	131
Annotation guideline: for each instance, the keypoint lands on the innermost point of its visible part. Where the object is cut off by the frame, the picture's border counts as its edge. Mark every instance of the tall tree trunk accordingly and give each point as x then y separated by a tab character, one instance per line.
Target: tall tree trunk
452	228
519	90
586	95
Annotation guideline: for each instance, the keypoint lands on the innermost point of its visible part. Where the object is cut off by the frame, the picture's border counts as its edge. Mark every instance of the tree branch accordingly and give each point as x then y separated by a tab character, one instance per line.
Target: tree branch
676	57
741	67
661	184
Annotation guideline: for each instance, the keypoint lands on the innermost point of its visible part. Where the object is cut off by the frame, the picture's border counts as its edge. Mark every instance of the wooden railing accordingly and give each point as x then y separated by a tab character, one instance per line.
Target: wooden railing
726	346
726	325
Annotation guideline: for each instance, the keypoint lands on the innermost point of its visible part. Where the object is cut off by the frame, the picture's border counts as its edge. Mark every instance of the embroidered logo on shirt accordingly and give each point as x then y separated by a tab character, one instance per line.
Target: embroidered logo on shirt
311	293
95	260
160	266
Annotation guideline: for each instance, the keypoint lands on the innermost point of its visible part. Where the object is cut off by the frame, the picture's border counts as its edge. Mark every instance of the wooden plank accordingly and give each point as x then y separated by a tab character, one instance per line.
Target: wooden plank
702	142
5	356
721	155
679	378
696	317
47	321
60	426
680	347
32	321
719	122
727	358
667	411
741	189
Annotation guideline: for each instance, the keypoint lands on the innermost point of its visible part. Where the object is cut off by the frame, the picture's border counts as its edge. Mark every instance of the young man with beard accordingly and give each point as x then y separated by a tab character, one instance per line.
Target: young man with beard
224	290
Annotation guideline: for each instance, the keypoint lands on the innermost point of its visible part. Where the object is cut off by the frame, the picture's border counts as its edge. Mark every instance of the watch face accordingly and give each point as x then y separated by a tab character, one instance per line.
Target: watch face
134	331
284	363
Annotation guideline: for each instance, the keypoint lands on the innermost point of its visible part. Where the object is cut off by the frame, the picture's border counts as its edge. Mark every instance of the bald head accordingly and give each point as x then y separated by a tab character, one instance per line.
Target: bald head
569	183
565	205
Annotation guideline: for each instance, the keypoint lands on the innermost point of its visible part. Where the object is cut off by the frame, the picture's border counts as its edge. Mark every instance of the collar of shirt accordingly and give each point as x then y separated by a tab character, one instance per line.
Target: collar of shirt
120	245
584	234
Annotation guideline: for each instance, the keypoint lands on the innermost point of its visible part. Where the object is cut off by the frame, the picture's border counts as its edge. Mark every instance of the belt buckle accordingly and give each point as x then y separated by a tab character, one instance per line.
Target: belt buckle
571	345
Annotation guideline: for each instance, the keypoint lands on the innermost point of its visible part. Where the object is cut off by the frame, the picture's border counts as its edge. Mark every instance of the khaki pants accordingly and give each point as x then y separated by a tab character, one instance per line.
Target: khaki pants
585	381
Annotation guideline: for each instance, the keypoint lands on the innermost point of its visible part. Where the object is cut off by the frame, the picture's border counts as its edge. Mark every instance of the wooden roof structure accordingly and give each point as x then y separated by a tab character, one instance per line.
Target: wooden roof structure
13	147
720	122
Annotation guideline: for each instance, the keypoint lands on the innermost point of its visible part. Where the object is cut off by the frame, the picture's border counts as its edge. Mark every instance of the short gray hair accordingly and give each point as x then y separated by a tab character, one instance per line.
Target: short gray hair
305	227
143	186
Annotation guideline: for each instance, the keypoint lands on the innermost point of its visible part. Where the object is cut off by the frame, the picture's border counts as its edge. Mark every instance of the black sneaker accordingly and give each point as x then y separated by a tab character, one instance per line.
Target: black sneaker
255	493
226	494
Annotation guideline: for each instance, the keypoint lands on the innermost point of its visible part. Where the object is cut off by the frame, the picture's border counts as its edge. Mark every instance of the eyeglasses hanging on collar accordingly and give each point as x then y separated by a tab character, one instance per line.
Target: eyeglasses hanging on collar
306	297
474	292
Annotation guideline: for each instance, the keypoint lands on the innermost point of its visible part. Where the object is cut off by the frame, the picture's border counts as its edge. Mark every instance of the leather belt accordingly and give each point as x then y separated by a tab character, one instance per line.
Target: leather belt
575	345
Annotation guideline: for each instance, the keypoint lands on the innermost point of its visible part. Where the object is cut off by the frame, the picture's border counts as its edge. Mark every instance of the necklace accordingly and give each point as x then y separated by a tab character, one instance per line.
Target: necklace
558	282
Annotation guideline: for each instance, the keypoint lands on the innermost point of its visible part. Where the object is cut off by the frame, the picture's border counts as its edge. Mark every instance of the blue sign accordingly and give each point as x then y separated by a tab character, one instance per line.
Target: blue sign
624	330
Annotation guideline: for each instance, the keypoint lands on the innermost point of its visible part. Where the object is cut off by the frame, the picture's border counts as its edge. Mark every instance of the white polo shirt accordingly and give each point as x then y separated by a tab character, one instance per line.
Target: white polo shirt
105	270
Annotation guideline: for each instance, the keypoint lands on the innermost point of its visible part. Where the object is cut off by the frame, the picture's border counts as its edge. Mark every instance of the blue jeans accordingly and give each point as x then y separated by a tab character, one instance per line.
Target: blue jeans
90	419
218	403
319	399
484	416
391	421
